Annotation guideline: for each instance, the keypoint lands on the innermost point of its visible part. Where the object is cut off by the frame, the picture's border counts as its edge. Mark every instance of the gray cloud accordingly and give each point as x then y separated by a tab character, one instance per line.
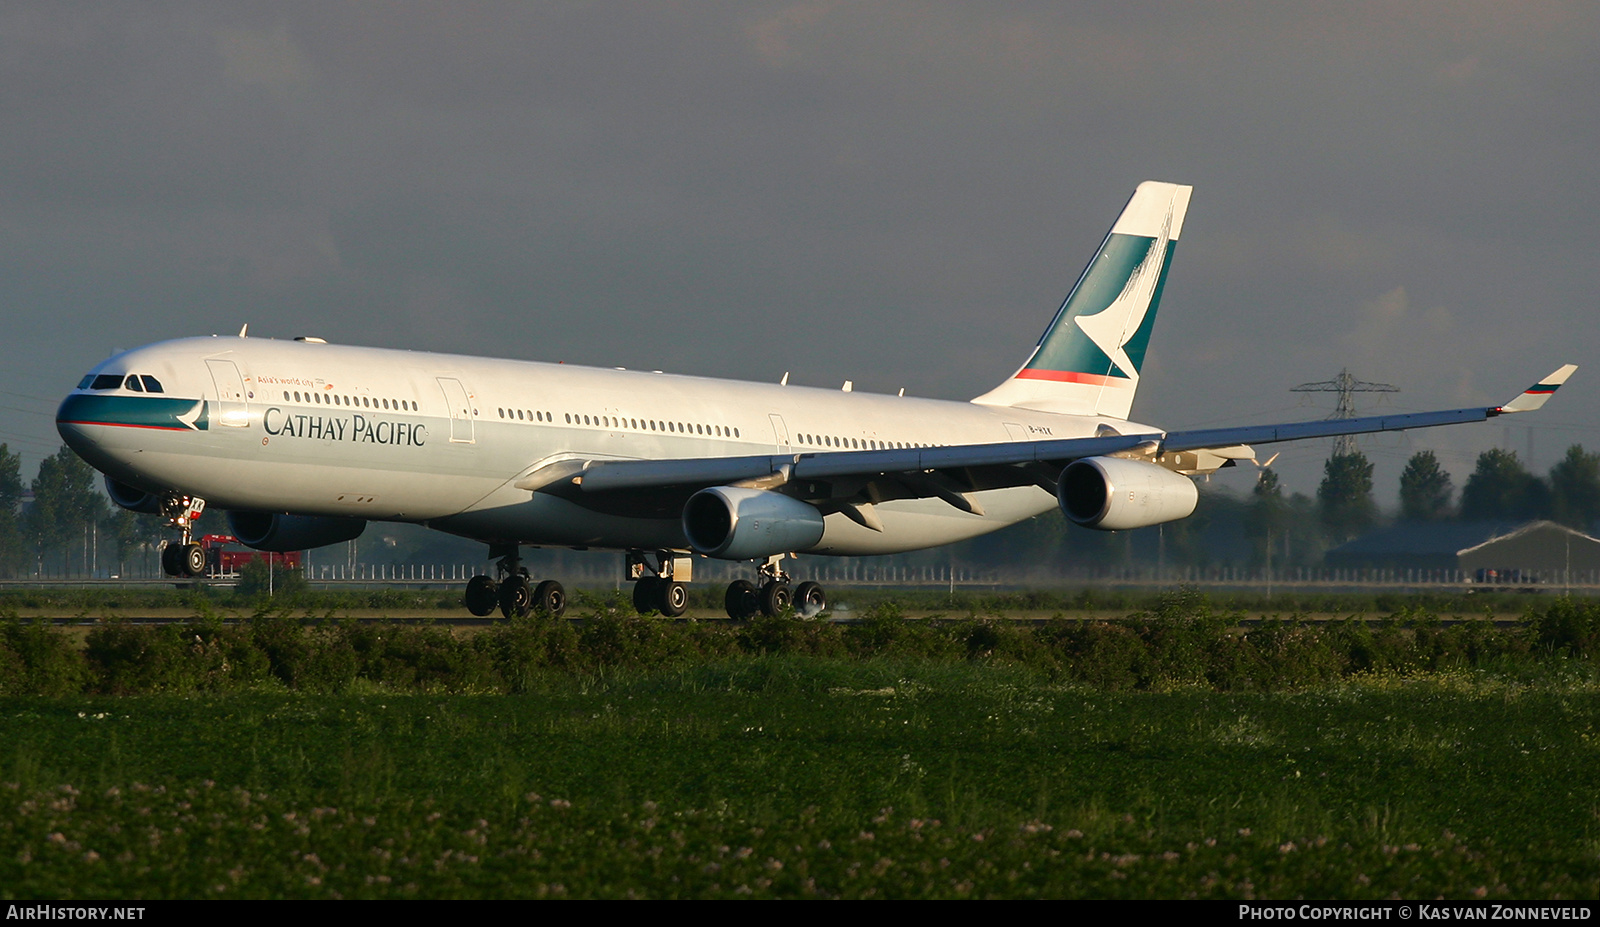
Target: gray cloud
893	193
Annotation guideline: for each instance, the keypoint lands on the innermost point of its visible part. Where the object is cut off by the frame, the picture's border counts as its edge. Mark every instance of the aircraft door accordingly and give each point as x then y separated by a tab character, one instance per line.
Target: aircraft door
233	408
455	397
780	431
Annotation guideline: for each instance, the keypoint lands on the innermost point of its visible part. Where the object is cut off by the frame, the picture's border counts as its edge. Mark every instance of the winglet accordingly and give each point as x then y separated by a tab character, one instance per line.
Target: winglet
1539	393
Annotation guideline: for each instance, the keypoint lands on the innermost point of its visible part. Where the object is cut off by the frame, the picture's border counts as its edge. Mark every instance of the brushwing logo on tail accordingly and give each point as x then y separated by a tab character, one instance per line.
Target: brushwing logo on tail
1089	359
1112	307
1114	328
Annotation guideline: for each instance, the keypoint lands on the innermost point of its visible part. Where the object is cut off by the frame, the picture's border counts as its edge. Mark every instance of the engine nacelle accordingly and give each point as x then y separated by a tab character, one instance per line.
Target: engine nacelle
134	500
747	524
1112	493
276	532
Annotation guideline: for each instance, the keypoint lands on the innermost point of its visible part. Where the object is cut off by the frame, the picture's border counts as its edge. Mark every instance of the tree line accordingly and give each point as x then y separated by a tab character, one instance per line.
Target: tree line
1500	488
71	528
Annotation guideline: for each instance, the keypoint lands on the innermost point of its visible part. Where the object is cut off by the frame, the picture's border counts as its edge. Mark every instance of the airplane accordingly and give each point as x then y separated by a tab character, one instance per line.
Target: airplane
304	442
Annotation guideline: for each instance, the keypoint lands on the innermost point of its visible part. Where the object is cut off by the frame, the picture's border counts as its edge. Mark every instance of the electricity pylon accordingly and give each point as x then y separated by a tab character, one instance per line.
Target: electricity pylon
1346	386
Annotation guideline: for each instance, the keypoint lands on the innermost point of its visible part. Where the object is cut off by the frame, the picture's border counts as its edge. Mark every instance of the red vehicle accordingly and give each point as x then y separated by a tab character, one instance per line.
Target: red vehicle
225	556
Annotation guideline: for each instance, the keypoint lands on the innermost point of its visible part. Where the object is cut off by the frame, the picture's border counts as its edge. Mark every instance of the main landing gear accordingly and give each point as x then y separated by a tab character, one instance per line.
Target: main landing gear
660	585
659	579
514	593
183	558
773	596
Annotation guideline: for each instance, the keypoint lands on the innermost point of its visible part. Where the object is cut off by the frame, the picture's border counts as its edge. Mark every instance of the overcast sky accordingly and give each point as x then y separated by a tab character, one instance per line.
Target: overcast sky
895	193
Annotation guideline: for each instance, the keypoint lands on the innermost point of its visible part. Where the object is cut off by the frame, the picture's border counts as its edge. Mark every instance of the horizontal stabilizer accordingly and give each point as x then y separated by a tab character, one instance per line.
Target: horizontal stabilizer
1539	393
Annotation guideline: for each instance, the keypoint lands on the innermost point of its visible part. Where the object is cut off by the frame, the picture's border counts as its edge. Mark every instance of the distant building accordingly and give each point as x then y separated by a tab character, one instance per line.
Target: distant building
1490	552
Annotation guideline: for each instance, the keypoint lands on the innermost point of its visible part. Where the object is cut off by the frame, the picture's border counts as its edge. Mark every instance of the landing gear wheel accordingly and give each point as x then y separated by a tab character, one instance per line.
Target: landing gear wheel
742	600
645	598
672	598
482	595
775	599
809	599
516	597
172	560
193	559
550	598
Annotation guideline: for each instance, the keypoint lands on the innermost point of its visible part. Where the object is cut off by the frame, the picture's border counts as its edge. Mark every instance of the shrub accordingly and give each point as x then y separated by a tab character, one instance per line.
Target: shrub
1103	655
258	580
129	659
37	660
1292	655
1567	626
788	635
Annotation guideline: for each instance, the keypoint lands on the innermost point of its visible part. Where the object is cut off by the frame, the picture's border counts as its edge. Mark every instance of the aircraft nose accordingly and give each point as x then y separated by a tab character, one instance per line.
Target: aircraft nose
70	422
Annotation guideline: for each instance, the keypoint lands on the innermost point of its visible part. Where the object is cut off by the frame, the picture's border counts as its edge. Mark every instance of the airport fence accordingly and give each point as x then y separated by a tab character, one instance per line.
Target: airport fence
846	573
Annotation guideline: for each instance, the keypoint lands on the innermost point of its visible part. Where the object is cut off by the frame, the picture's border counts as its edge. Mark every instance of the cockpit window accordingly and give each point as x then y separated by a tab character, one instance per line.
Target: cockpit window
87	379
132	383
151	384
107	381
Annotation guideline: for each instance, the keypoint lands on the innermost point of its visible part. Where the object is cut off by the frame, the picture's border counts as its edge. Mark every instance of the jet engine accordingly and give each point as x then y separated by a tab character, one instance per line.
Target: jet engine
276	532
134	500
1112	493
746	524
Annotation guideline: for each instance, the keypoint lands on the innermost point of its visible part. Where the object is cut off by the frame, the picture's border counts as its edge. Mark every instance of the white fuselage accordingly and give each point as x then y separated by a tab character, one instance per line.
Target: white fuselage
319	429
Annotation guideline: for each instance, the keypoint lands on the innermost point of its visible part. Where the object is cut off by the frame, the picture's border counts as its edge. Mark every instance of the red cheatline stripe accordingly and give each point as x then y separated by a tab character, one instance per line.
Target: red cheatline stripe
1066	376
127	425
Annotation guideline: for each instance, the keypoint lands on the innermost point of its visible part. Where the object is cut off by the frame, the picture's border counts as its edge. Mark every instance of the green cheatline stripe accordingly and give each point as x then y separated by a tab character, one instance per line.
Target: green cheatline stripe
132	412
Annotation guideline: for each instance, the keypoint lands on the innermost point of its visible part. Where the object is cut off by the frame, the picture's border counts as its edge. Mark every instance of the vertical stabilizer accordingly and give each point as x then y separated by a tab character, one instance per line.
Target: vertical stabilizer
1088	360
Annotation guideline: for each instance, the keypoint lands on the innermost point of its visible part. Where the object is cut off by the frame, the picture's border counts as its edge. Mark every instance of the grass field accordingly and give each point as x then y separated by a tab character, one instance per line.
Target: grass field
792	776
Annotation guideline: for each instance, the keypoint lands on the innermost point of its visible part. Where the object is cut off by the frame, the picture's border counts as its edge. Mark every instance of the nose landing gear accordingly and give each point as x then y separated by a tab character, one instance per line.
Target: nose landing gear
185	558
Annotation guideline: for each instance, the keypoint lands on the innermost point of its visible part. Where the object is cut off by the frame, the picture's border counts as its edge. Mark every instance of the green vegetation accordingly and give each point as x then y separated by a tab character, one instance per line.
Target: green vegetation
784	776
1182	641
111	602
1173	754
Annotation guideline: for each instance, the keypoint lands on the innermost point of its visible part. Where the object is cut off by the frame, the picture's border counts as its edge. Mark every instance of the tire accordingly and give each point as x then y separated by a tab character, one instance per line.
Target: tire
742	600
193	560
482	595
672	599
810	599
172	560
775	599
550	599
516	597
644	595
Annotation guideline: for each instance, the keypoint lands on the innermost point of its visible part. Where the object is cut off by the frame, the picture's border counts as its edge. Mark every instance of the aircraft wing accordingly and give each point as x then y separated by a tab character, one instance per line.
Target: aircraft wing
951	473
